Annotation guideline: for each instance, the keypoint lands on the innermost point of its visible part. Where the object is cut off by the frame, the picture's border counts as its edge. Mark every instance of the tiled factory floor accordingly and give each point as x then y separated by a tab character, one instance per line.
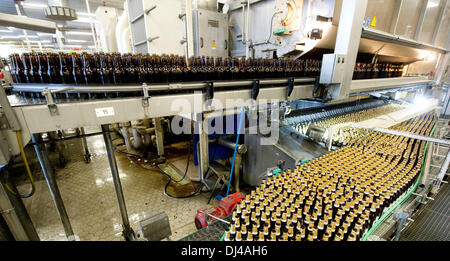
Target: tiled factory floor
91	203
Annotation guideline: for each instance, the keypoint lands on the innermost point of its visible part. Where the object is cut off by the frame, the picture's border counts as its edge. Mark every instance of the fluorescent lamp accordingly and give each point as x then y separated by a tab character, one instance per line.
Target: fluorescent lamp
78	33
5	31
75	41
85	14
29	36
11	36
432	4
34	5
82	20
45	34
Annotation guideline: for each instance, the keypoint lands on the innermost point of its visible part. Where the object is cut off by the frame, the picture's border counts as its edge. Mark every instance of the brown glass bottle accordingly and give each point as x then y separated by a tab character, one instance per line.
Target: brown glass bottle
44	68
77	65
23	69
87	68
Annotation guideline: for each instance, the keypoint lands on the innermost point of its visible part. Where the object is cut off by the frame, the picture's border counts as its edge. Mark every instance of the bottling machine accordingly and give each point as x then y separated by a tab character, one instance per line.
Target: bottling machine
350	64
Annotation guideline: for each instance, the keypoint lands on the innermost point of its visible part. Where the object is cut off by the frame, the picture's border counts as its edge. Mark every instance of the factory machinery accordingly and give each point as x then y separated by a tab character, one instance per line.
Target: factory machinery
329	143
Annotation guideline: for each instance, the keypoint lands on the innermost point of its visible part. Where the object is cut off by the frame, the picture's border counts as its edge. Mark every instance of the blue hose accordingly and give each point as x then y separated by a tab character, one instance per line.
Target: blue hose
235	149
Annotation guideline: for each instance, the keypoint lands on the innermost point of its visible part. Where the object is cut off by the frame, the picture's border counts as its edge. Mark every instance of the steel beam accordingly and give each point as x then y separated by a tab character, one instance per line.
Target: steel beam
27	23
347	42
421	20
79	114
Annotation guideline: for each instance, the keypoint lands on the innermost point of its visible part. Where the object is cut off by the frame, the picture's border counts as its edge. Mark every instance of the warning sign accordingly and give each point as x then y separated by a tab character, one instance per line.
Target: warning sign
214	44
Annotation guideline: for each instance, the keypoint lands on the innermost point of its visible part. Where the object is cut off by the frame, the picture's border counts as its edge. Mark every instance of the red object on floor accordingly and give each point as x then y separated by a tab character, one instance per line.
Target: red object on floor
228	203
225	208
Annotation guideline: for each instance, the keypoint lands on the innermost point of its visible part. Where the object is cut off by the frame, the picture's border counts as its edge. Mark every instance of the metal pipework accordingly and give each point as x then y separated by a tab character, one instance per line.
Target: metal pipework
127	232
50	178
242	149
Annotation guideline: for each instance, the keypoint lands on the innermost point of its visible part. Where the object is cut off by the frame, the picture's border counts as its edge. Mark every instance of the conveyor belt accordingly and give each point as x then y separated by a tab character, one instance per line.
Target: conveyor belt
433	223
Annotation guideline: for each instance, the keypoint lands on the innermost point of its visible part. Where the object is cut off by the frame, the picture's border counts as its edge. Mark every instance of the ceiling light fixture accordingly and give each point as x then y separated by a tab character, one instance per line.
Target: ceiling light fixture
78	33
33	5
75	41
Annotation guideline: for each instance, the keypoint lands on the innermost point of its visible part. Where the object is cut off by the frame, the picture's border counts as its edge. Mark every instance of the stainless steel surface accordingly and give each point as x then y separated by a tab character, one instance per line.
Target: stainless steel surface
156	228
27	23
159	132
389	83
203	145
347	43
127	232
291	148
50	178
19	87
80	114
8	111
210	33
370	33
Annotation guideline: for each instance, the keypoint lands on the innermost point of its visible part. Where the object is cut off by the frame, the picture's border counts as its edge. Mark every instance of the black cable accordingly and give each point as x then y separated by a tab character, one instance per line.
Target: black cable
184	176
130	155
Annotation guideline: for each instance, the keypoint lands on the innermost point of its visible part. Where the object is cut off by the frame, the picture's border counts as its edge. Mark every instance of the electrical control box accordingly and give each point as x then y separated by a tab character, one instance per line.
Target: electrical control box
332	68
210	33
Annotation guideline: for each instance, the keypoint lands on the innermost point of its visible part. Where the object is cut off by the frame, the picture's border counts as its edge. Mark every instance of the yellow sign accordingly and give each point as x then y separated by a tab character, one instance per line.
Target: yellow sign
374	21
214	44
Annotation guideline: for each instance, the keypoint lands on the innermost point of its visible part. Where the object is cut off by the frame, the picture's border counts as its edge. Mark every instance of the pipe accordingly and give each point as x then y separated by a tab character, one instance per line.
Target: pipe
235	148
247	41
242	149
49	175
127	232
137	140
126	137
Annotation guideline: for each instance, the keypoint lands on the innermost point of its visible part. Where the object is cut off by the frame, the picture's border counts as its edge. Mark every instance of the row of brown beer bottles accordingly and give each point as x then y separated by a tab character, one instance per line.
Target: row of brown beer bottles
377	70
114	68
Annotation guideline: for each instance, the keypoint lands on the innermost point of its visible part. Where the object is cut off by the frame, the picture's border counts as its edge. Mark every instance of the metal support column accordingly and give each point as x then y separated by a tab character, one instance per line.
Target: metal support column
159	132
426	167
204	144
50	178
14	212
127	232
347	42
87	154
440	176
